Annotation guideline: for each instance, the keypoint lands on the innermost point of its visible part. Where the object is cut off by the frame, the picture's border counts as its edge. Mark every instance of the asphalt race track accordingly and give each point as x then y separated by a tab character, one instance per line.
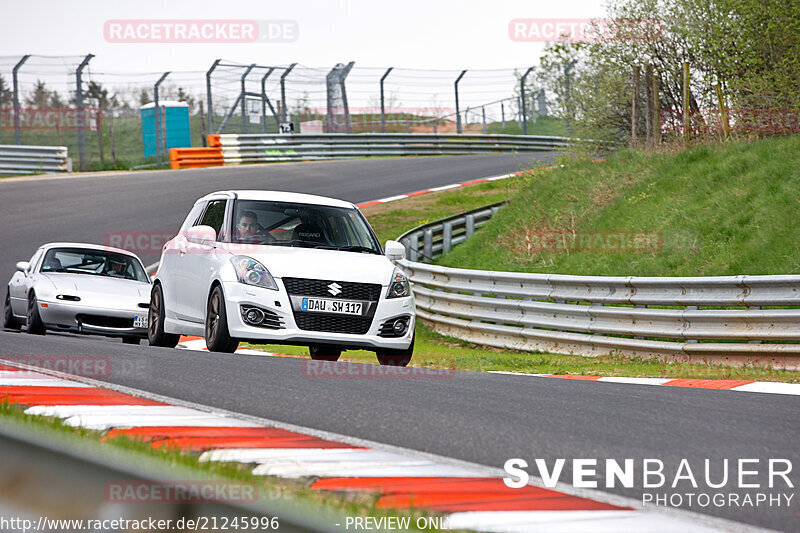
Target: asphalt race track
482	418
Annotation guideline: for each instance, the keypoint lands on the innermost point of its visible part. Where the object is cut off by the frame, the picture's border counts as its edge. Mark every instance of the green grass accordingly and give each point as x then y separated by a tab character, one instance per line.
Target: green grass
719	210
432	350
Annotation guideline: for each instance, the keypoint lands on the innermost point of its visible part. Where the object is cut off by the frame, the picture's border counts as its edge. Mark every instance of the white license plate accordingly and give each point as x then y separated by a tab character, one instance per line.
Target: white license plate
140	321
321	305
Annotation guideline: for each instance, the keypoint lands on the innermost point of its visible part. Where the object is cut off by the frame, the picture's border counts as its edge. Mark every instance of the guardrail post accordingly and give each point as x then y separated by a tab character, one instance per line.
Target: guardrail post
458	114
81	112
447	237
413	254
427	244
244	95
157	116
383	108
208	95
15	84
523	105
283	91
469	225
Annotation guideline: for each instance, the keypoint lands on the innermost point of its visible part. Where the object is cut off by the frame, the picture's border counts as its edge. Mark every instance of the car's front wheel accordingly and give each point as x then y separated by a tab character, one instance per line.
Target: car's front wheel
9	321
218	337
155	316
324	352
396	357
35	324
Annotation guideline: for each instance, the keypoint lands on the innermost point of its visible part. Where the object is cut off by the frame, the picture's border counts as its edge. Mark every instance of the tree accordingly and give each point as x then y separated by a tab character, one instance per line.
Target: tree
6	94
40	97
144	97
183	96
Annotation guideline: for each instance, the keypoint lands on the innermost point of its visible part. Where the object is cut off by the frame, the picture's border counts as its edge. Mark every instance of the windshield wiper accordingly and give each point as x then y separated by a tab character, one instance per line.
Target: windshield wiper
353	249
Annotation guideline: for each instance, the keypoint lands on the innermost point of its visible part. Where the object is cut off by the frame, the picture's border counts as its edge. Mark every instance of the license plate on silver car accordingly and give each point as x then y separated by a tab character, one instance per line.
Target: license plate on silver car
323	305
140	321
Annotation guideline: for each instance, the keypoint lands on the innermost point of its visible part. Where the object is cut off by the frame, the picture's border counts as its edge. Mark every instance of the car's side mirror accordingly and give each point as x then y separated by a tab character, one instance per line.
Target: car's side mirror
23	266
203	235
395	251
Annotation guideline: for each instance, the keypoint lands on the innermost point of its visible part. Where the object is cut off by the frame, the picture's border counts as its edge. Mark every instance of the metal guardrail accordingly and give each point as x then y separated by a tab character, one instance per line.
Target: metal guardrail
20	159
431	240
595	315
59	475
238	149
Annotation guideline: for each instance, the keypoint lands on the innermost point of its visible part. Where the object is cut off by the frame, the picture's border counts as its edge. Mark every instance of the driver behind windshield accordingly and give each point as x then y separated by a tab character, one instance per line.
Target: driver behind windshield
248	228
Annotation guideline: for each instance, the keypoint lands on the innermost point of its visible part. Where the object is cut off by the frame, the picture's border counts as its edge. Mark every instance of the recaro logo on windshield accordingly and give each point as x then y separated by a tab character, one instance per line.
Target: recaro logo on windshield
335	289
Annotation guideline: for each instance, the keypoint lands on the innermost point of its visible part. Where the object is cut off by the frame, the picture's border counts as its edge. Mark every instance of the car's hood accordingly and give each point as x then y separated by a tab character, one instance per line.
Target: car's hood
323	264
87	285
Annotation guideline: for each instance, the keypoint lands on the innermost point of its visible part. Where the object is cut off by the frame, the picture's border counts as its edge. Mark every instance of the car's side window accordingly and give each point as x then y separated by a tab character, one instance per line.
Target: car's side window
214	216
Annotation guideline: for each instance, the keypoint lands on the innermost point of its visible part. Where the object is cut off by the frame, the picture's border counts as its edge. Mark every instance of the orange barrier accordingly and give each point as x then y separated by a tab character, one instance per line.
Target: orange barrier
213	140
195	157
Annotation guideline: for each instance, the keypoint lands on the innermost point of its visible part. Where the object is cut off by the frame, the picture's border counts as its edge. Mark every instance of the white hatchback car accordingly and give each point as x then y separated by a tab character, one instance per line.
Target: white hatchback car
282	268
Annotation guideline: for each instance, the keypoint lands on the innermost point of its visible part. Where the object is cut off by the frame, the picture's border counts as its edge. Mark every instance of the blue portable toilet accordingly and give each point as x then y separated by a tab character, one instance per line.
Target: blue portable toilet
175	126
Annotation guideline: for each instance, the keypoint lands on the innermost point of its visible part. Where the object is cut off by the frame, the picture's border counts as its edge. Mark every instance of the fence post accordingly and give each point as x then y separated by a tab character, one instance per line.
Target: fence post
15	83
723	111
283	91
244	95
208	97
686	127
81	112
542	103
483	113
447	237
503	115
656	112
265	101
648	114
157	116
458	114
414	247
523	103
567	97
470	225
635	107
383	106
427	244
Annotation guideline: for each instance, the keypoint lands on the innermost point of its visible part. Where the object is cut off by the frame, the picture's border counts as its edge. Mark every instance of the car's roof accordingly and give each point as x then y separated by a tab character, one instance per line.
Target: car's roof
278	196
87	246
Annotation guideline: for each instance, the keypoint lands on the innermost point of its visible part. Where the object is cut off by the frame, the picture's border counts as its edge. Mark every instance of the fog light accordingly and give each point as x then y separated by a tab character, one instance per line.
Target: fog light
399	326
254	316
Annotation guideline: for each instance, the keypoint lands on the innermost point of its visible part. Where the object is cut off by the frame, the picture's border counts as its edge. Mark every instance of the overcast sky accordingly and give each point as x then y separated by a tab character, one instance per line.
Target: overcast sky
405	33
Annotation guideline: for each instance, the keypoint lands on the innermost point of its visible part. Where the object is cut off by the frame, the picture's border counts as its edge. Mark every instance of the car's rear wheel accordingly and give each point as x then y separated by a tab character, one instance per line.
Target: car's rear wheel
155	317
131	340
324	352
35	324
8	316
218	337
396	357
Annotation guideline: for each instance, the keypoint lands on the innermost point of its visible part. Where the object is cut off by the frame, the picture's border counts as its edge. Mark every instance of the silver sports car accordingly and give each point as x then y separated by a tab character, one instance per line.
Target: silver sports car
83	288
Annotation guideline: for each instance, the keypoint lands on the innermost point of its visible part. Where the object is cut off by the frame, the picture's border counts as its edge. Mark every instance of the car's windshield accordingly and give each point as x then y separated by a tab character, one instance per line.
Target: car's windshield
302	225
94	262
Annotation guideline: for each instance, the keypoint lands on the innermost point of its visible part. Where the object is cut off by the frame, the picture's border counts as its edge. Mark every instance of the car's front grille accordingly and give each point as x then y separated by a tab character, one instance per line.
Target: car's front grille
105	321
322	288
355	325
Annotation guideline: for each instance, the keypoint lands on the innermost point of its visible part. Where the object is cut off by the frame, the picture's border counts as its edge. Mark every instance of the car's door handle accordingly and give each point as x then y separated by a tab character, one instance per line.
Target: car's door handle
182	251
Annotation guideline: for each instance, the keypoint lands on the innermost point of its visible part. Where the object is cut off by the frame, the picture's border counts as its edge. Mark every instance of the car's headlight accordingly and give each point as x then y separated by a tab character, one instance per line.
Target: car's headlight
398	286
251	272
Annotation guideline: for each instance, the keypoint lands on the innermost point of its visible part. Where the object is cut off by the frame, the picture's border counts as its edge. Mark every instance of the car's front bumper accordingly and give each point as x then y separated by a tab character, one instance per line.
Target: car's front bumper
78	317
278	302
